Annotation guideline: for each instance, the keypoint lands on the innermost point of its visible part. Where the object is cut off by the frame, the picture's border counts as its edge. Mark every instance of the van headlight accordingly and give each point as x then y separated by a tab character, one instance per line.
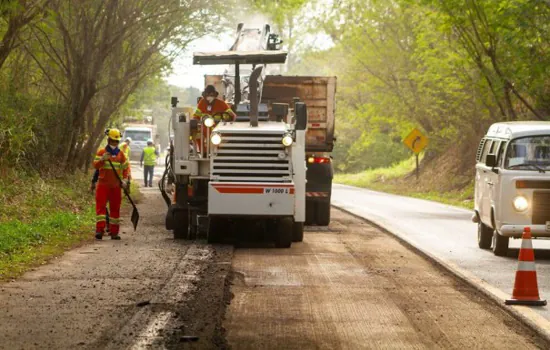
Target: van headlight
521	203
216	139
209	122
287	140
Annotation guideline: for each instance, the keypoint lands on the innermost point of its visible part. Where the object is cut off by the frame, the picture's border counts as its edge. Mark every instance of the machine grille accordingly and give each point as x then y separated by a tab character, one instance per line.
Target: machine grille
251	158
541	207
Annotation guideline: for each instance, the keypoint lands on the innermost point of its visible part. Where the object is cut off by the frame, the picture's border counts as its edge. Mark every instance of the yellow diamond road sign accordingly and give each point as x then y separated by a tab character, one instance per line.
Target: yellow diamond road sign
416	141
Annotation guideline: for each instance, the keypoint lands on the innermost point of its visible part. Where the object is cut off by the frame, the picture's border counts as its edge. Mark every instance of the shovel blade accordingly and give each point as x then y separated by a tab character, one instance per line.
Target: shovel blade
135	218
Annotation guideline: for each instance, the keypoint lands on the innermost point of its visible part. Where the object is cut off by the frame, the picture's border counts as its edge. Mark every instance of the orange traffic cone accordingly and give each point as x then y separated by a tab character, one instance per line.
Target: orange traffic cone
526	290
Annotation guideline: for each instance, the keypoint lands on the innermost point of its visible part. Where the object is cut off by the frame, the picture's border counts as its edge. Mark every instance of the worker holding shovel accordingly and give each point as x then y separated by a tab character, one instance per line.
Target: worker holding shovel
113	175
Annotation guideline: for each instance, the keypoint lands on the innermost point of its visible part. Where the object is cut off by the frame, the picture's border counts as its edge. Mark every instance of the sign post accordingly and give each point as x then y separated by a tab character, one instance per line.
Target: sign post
416	142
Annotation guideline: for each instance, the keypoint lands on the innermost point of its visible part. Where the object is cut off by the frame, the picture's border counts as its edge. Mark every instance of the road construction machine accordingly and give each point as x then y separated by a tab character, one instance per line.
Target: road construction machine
249	170
317	92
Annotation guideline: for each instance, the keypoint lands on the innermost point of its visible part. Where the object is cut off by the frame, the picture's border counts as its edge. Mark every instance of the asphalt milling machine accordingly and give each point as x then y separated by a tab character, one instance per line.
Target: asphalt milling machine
247	173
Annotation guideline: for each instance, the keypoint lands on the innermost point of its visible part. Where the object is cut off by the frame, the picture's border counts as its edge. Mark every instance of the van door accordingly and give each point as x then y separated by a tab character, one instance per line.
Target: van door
482	186
494	178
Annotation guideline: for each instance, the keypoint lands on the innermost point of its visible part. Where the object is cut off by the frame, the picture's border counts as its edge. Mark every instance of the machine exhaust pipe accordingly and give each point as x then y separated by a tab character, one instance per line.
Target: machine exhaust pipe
253	85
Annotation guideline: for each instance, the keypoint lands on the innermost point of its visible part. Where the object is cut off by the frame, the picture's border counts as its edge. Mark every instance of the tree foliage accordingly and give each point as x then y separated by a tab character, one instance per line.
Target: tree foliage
450	67
77	63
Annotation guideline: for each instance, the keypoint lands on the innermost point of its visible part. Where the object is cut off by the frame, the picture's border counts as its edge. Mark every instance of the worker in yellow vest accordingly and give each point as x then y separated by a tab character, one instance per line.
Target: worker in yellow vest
149	159
125	148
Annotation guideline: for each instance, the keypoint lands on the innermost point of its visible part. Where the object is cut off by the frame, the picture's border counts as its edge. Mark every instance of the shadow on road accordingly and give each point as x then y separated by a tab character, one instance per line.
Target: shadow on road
540	255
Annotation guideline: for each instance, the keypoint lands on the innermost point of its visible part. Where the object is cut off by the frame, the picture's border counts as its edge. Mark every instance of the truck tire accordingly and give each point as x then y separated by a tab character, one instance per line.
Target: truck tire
322	214
215	232
298	232
310	212
500	244
181	224
484	236
283	238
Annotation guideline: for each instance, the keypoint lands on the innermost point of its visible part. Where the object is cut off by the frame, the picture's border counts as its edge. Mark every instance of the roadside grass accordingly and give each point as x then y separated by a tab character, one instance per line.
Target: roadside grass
400	179
40	218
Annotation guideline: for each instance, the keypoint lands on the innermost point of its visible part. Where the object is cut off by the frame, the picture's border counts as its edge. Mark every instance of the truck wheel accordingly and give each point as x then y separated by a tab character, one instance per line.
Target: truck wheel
298	232
215	230
283	239
181	224
310	212
500	244
484	236
323	213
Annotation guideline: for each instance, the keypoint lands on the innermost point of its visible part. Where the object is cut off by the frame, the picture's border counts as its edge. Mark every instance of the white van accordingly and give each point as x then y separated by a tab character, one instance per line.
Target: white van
512	184
139	136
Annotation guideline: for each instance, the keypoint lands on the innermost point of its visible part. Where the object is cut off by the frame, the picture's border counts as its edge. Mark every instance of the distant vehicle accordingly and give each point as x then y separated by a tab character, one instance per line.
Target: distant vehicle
139	130
512	184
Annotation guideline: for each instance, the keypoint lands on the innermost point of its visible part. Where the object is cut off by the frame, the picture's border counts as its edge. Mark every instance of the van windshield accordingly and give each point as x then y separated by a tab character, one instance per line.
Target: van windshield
137	135
529	153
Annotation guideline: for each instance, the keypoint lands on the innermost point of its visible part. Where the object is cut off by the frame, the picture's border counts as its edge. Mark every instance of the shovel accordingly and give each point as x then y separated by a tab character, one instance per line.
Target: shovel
135	214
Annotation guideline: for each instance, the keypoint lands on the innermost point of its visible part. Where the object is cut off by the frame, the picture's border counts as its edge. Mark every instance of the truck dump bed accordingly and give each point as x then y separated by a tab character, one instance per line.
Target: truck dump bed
319	94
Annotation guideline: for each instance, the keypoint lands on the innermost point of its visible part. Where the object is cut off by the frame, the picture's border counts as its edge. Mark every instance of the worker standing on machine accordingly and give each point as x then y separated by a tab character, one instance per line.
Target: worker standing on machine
107	161
211	105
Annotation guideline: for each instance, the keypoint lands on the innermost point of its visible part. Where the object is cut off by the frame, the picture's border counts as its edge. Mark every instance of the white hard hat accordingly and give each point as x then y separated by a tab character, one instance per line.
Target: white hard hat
128	139
150	141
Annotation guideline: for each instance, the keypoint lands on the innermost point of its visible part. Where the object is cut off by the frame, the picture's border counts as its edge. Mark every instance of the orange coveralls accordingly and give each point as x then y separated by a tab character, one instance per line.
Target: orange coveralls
108	189
205	108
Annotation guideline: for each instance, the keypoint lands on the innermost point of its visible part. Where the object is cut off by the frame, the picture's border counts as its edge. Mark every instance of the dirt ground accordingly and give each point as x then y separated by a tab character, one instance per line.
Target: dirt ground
352	286
145	291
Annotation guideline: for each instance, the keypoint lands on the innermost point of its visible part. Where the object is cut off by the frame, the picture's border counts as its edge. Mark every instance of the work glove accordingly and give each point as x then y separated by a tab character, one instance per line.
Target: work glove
92	188
106	157
124	185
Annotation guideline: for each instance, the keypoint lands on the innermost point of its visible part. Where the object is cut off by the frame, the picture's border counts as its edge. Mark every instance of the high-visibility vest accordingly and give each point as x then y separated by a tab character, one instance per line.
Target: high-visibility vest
126	149
149	156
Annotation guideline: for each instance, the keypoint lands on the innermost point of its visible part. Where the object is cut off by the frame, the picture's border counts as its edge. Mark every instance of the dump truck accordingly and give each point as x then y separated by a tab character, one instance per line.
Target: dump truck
250	170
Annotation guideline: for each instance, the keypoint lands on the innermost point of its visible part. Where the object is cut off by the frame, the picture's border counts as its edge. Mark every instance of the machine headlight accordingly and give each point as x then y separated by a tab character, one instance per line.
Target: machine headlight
521	203
209	122
287	140
216	139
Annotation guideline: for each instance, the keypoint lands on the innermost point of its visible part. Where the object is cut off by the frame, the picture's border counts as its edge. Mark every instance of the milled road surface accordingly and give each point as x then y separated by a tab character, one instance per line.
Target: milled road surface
145	291
351	287
446	232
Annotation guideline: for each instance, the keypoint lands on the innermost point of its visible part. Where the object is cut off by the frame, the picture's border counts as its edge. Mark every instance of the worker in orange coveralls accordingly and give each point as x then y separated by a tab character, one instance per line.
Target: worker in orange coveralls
211	105
108	186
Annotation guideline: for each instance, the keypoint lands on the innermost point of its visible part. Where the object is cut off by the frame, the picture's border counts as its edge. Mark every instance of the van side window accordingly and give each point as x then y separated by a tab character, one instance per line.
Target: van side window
486	147
480	149
500	153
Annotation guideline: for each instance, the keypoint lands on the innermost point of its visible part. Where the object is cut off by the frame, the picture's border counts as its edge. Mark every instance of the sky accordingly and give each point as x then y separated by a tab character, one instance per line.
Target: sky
185	74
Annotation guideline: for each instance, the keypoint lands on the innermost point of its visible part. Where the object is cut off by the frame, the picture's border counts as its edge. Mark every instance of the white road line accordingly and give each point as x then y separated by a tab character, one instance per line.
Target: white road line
152	332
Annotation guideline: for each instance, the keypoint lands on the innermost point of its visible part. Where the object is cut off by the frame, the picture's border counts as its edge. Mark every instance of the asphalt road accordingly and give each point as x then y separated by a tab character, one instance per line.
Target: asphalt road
446	232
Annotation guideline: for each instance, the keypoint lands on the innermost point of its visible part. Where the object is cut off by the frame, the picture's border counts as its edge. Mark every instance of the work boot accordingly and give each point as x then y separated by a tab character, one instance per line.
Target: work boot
115	237
99	235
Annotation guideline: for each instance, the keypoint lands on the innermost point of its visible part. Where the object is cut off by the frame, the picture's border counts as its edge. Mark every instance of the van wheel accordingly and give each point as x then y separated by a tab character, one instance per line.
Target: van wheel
500	244
284	233
484	236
